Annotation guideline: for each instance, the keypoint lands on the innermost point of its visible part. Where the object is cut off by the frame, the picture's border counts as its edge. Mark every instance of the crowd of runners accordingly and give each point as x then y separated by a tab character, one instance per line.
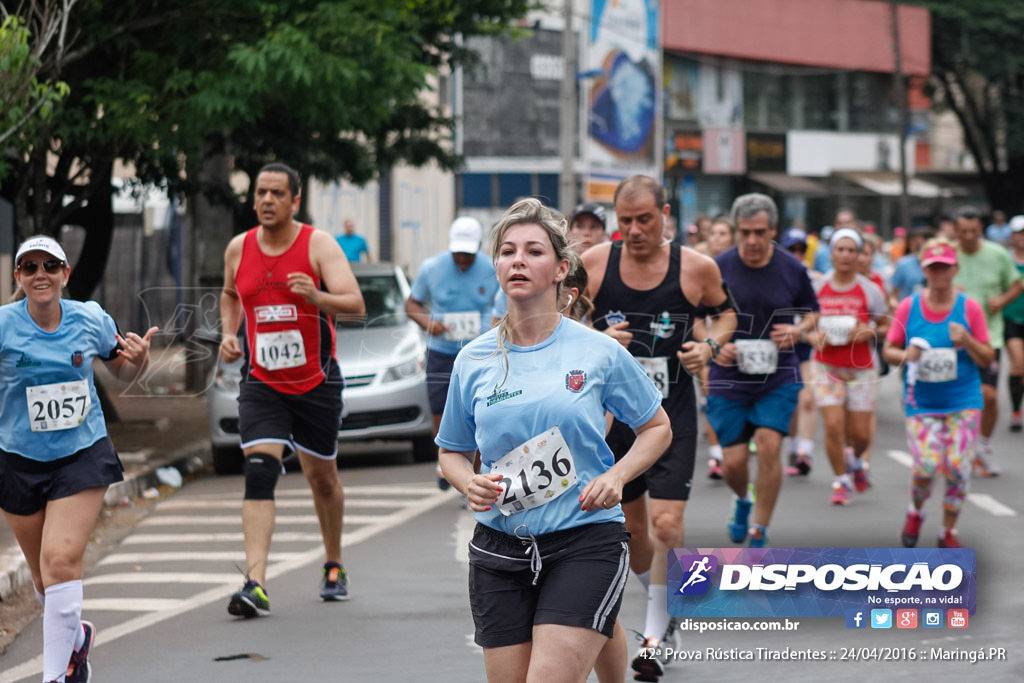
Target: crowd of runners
567	368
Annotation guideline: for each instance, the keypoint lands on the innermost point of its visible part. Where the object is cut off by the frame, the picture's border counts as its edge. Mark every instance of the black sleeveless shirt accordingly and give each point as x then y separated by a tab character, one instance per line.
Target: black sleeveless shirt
661	320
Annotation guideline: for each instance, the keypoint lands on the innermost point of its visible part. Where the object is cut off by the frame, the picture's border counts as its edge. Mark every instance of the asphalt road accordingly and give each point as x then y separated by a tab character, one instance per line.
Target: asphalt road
159	598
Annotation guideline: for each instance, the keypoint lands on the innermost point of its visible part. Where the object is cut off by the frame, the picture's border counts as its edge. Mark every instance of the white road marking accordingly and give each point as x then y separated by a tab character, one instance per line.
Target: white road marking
903	458
985	501
464	525
236	520
429	498
990	504
162	577
129	605
221	504
222	537
238	557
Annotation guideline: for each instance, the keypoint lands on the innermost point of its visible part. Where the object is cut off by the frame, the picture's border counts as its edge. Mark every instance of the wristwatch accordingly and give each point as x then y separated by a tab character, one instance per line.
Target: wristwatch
715	347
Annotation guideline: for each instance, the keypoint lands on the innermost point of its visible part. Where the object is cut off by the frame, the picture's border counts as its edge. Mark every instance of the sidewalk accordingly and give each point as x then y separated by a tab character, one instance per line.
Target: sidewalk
159	426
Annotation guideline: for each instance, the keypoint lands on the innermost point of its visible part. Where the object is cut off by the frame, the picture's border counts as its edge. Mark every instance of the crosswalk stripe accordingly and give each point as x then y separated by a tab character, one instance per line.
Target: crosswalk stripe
238	557
219	537
130	604
236	520
289	504
123	578
280	563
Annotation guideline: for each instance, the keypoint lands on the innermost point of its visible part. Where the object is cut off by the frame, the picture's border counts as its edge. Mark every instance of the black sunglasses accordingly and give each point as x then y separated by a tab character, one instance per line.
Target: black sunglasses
51	266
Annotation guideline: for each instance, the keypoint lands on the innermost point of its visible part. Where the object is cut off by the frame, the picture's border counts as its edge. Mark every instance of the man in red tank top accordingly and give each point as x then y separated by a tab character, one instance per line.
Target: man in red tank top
284	283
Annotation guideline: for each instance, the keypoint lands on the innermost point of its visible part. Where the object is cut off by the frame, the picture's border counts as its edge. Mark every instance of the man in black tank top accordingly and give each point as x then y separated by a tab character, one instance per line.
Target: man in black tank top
647	292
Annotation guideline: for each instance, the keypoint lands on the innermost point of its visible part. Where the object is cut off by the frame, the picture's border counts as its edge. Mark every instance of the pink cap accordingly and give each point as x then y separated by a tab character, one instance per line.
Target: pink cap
899	231
940	253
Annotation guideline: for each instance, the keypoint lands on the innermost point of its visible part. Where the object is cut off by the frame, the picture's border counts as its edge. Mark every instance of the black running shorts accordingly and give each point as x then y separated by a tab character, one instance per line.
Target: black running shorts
580	581
26	485
308	422
671	475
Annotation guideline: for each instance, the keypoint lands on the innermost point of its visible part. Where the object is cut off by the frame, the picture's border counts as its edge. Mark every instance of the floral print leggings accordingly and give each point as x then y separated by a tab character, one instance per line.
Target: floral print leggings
945	441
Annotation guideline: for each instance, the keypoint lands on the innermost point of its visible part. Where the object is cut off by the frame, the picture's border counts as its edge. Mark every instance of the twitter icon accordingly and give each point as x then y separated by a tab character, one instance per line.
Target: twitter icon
881	618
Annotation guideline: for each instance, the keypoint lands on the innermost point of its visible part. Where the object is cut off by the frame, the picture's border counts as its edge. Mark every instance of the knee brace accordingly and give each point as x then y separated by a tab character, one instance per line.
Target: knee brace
261	473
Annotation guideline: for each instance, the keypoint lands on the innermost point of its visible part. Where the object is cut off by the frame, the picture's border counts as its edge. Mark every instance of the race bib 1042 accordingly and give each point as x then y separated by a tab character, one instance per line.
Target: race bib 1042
277	350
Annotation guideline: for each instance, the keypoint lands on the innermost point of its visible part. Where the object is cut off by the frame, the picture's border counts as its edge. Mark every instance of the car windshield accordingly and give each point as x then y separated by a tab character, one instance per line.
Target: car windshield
384	302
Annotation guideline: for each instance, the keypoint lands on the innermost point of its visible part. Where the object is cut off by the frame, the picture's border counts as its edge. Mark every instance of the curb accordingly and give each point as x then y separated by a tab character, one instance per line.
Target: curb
190	458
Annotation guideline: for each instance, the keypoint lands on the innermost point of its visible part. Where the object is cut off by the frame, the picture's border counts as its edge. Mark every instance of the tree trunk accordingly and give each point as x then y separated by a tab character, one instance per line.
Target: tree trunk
97	217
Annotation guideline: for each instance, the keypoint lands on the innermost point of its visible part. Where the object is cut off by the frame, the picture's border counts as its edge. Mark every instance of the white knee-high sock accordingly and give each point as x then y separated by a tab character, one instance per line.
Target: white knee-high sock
644	578
62	622
657	611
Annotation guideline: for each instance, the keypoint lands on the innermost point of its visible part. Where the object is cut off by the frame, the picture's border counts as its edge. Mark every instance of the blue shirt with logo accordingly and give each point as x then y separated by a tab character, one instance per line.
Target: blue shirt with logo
443	288
31	356
907	278
569	380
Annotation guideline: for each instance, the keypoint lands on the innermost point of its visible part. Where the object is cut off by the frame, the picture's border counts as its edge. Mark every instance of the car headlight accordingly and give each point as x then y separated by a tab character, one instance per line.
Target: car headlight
404	370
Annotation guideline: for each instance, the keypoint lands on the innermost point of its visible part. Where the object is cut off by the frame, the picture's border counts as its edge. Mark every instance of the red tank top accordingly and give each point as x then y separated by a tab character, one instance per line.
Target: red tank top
289	343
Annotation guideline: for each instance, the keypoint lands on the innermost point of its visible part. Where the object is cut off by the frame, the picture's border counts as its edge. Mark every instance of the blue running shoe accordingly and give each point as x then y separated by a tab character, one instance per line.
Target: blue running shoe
758	536
741	513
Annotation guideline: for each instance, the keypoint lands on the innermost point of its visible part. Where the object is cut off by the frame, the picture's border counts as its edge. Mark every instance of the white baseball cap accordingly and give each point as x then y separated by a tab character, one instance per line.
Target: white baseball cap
41	243
464	235
1017	223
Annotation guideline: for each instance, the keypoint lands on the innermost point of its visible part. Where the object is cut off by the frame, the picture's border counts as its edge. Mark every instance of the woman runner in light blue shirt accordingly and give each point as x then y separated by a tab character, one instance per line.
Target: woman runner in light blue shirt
549	557
56	460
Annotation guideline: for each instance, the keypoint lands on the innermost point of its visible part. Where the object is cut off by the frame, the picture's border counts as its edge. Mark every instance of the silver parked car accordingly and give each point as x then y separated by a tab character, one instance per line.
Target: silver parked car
383	360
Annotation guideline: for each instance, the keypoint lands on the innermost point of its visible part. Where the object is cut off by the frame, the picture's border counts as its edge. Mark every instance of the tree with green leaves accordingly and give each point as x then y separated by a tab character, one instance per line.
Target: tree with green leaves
26	45
335	89
978	72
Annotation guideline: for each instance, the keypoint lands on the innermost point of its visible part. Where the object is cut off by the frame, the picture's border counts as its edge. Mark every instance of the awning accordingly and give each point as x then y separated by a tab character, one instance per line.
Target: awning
889	185
790	184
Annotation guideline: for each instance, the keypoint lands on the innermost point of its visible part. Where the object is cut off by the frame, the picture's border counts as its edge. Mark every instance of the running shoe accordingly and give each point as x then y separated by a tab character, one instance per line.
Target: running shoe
911	529
860	479
251	601
442	483
79	669
949	539
1016	424
758	536
985	461
840	493
799	465
334	584
673	638
646	665
714	469
737	525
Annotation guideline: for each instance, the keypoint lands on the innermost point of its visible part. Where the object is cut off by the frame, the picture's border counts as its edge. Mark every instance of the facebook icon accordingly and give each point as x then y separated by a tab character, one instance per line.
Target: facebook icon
855	618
